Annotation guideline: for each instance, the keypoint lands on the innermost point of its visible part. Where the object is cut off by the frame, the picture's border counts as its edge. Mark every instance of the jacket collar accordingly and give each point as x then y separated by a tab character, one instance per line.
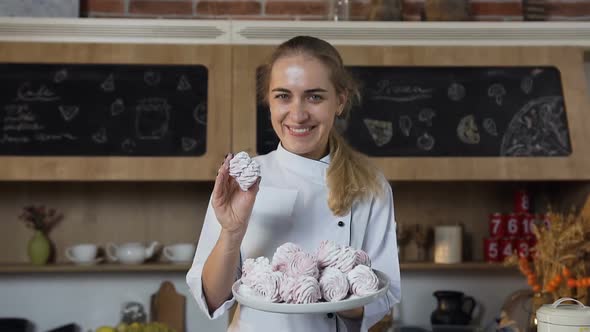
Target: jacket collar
315	169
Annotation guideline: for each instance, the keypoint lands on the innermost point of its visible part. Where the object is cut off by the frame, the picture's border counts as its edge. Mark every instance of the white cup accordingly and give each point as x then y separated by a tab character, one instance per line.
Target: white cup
83	253
179	252
448	244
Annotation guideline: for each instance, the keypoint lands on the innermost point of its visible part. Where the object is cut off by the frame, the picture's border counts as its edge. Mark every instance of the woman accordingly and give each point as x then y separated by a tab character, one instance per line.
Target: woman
314	187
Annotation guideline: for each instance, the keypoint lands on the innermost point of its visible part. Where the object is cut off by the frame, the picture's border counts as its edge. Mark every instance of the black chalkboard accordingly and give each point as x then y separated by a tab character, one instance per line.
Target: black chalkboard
103	110
451	112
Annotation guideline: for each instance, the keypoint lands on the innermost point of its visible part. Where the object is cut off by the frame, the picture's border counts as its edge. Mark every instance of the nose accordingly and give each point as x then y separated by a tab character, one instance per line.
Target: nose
298	113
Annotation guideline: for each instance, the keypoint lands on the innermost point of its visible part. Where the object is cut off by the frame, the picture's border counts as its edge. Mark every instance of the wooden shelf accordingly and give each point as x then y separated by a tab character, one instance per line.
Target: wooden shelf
71	268
467	267
263	32
183	268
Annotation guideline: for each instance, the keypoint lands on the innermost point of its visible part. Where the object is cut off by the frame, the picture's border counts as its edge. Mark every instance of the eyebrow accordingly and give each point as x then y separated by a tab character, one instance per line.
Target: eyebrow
306	91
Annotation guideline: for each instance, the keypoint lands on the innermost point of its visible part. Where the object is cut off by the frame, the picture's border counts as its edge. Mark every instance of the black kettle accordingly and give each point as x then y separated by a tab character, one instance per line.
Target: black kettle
453	308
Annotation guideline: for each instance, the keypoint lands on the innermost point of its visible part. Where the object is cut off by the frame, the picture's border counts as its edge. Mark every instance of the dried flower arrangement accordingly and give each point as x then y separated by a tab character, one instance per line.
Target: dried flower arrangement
423	236
39	218
562	256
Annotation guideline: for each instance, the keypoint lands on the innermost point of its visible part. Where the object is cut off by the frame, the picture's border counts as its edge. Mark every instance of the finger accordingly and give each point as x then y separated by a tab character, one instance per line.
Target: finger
219	189
227	159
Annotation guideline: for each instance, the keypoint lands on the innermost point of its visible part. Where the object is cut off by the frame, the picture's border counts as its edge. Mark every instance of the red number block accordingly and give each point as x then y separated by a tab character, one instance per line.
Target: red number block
491	250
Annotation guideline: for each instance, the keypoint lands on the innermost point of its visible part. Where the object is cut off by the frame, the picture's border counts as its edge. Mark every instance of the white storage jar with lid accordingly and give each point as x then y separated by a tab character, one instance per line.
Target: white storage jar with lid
559	317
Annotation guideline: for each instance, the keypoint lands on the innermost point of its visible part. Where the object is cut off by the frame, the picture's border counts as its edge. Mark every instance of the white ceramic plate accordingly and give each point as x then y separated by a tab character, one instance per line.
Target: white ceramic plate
92	262
312	308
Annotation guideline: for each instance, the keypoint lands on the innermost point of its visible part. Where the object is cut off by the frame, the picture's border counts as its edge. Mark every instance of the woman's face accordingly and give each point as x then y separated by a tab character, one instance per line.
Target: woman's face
303	103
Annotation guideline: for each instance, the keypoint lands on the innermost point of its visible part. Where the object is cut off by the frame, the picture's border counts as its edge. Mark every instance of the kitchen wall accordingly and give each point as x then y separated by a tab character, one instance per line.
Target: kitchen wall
90	300
385	10
94	299
36	8
205	9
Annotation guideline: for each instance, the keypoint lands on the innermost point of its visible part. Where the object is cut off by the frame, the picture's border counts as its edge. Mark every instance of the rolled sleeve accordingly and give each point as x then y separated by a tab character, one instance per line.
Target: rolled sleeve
381	245
208	238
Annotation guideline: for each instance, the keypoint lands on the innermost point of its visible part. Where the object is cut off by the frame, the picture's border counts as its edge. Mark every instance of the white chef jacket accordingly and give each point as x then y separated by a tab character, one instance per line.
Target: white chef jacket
291	206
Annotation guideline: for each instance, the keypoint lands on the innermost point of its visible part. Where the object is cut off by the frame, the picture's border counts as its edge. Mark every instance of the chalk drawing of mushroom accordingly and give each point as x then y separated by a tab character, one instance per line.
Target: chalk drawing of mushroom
425	142
497	91
490	126
405	125
456	91
526	84
467	130
426	115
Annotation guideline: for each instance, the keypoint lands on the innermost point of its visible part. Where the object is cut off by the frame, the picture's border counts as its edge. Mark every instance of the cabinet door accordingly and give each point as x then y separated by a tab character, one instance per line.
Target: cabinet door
567	62
150	118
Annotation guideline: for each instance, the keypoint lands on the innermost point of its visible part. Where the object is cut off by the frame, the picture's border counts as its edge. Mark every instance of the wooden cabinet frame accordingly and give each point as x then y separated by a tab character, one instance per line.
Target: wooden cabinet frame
217	59
569	61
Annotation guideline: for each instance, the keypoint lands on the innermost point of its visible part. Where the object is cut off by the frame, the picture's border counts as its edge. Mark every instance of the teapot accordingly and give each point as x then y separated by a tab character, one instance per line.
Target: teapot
130	253
453	308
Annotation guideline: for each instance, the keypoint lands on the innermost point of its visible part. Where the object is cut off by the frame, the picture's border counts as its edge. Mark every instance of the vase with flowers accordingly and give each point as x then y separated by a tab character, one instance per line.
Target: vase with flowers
42	221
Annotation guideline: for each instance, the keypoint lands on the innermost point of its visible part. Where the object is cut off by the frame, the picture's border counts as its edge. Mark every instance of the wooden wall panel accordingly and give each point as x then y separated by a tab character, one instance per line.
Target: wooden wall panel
104	212
174	212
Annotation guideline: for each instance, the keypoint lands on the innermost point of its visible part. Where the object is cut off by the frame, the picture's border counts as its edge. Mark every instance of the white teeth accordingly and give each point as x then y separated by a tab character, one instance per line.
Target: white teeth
300	131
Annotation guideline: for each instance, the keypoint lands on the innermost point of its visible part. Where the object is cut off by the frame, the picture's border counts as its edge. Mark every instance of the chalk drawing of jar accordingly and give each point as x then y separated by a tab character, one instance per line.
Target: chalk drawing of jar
152	118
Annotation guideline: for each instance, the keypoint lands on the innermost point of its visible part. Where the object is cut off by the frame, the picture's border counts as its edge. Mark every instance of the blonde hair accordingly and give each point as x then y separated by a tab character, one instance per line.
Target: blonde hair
350	176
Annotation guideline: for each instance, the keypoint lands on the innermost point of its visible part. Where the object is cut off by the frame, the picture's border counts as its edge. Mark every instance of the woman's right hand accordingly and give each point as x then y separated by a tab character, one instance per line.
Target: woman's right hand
232	206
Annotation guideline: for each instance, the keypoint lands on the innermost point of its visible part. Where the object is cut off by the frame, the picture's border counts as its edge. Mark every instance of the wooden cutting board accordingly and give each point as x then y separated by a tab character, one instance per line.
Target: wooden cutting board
168	307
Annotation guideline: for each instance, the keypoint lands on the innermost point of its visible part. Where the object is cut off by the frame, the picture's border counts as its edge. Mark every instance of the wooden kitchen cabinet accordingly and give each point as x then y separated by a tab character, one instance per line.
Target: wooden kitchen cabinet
216	59
428	190
568	60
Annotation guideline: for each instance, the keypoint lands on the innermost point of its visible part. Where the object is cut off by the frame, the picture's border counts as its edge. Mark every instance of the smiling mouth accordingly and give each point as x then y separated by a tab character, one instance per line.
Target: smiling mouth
300	131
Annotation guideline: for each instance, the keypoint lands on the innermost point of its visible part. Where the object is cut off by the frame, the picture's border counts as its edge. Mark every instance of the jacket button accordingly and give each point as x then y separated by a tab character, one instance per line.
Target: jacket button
341	223
330	315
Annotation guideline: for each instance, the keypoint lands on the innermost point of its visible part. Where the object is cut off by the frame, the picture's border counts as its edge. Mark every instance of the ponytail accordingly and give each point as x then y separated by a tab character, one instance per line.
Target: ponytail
350	176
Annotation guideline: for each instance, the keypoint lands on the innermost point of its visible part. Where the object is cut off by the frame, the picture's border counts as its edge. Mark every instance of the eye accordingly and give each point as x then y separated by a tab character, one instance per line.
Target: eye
316	98
282	96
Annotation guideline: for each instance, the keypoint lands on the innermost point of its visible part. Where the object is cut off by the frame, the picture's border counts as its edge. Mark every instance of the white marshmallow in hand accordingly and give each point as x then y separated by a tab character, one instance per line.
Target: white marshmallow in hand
245	170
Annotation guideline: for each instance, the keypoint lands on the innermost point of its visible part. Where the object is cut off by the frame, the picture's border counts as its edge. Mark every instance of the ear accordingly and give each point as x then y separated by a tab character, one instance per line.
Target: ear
342	98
